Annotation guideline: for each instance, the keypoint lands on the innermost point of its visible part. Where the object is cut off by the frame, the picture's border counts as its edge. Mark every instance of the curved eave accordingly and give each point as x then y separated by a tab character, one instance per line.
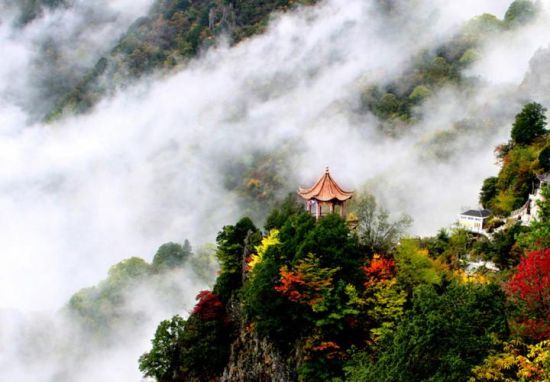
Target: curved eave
339	198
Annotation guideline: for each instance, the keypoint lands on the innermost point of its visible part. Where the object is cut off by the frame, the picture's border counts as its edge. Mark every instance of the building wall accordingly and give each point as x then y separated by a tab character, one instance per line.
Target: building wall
471	223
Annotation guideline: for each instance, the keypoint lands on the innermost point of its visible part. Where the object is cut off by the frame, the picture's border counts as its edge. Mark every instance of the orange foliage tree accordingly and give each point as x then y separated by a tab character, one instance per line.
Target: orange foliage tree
307	282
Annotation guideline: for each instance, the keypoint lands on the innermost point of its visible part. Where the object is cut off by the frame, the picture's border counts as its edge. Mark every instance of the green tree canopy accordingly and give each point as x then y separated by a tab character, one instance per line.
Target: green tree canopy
278	217
520	12
488	191
544	158
230	253
445	334
414	266
529	124
331	242
127	271
164	359
172	255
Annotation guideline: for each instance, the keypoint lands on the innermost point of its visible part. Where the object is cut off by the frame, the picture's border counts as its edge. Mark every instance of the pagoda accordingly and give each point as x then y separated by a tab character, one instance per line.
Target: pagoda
325	197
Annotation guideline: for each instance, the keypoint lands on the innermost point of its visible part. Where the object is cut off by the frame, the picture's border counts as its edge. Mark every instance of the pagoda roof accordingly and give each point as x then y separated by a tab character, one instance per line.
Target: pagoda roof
325	189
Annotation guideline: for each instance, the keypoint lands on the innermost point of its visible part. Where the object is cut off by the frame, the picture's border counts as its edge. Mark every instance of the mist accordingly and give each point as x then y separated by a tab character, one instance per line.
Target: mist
148	165
51	48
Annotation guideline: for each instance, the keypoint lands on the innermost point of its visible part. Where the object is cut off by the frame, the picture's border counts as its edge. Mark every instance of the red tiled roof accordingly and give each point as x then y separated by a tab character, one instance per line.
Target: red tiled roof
325	189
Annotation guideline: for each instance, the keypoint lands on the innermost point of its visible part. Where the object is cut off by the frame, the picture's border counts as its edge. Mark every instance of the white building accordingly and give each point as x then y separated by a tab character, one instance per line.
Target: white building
474	220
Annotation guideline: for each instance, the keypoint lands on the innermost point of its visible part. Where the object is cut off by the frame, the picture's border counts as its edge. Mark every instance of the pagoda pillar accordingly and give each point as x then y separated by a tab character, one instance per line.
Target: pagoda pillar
317	210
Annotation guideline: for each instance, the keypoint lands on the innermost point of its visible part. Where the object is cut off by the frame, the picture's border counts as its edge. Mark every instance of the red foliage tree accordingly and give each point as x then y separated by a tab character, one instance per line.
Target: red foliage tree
530	287
209	306
378	270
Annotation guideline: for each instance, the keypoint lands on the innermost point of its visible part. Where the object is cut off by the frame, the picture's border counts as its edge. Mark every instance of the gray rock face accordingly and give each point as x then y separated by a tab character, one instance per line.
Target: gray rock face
256	360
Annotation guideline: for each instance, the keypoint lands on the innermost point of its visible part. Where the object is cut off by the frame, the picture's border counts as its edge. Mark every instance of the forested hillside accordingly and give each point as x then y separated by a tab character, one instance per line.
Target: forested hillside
526	155
306	300
173	32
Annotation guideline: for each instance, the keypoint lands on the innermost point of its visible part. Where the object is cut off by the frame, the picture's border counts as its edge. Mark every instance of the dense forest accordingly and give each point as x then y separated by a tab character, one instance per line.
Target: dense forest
324	300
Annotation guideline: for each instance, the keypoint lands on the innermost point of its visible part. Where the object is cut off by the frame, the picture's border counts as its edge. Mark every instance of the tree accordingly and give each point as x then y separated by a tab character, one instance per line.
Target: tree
100	309
375	229
515	179
488	191
529	289
517	362
420	93
502	249
196	349
445	334
414	266
544	158
171	255
209	306
307	282
275	317
481	27
458	247
332	244
388	105
231	246
469	57
129	269
280	320
529	124
383	298
438	244
164	359
268	241
278	217
520	12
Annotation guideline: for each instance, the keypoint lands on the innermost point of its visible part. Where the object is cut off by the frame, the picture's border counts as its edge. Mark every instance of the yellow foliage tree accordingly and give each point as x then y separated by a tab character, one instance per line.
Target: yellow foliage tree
474	278
268	241
517	363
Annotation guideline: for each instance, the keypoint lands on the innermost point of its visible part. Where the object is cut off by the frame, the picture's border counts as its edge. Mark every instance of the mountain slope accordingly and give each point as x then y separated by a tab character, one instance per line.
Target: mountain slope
173	32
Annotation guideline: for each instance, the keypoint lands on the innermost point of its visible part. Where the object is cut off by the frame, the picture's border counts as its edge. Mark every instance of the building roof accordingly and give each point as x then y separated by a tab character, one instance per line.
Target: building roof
477	213
325	189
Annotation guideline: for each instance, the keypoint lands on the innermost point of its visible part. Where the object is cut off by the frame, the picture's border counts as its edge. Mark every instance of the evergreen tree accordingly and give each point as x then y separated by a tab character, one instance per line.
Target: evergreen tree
529	124
172	255
544	159
488	191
